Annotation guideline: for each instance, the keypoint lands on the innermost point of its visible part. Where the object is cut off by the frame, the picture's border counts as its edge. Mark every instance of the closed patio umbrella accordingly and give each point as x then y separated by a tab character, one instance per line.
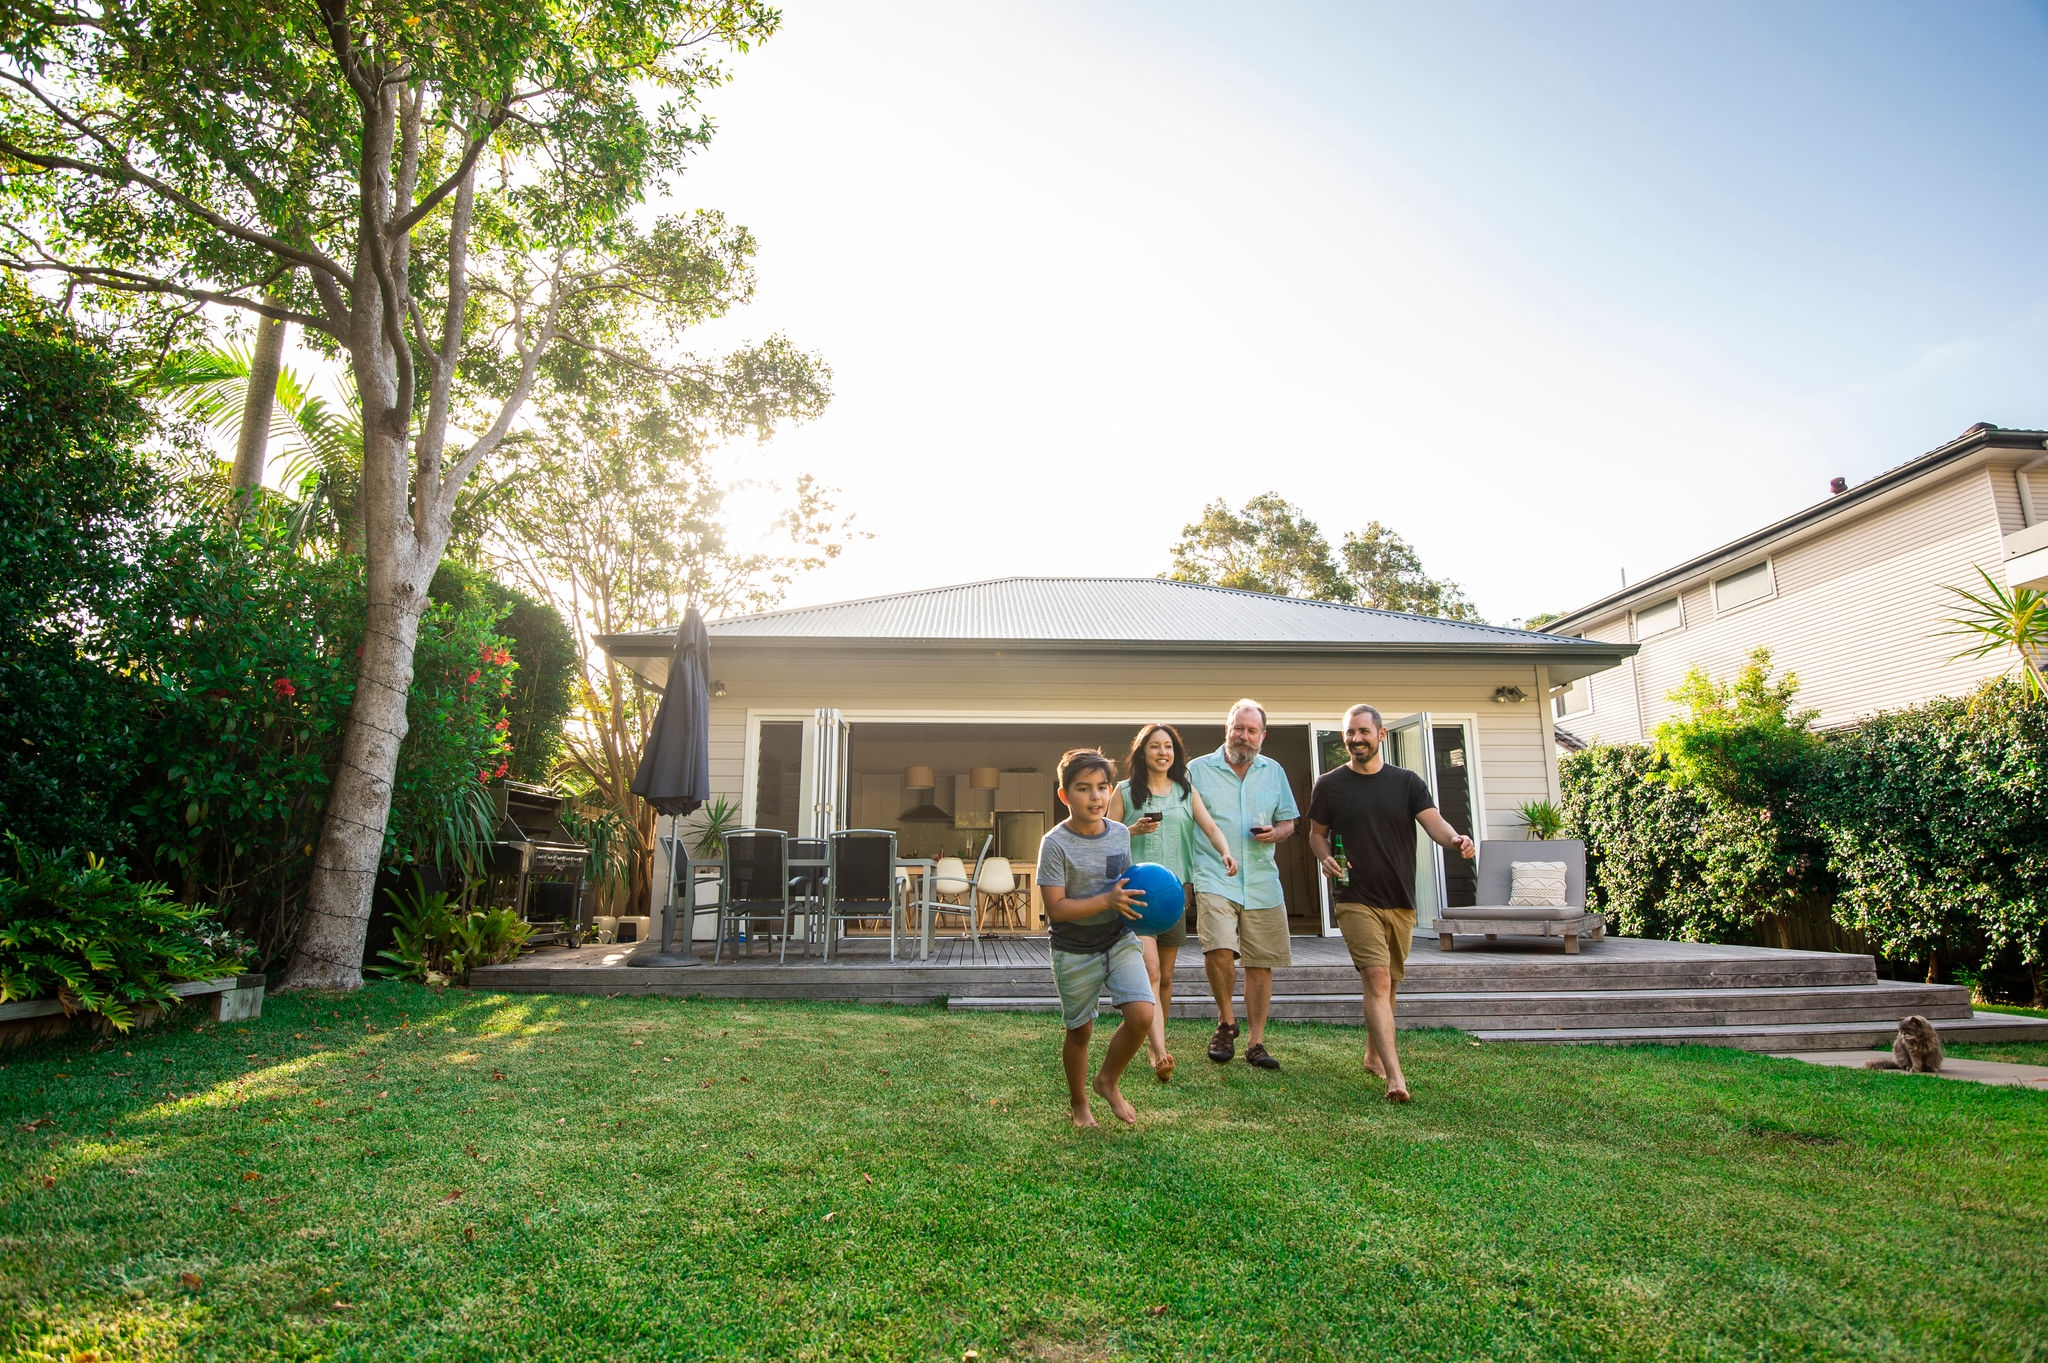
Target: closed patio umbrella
675	766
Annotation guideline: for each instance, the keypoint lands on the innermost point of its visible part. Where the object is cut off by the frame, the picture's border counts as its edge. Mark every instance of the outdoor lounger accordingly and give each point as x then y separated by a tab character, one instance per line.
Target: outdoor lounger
1492	915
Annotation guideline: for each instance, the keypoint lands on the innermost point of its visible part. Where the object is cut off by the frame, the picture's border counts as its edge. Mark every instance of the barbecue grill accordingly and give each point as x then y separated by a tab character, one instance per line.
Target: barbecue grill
544	863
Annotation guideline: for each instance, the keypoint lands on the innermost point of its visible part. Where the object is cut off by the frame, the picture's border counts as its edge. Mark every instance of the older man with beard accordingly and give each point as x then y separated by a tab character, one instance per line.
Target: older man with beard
1242	916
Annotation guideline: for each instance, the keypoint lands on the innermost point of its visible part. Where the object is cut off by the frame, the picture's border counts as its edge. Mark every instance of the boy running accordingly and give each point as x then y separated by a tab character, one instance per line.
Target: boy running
1081	865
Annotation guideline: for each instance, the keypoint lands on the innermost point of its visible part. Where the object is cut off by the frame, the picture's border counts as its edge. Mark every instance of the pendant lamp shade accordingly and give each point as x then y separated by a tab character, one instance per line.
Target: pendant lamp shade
919	778
984	778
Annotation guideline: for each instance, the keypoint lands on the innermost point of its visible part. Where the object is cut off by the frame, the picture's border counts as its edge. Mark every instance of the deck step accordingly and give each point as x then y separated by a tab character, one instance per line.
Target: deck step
1881	1004
1978	1027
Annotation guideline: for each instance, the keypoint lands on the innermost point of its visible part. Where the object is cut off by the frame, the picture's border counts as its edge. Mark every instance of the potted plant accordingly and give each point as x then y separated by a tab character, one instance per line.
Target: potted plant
1540	820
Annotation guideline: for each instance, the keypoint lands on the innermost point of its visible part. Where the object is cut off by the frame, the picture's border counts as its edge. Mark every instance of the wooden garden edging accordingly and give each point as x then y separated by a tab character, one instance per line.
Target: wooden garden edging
231	998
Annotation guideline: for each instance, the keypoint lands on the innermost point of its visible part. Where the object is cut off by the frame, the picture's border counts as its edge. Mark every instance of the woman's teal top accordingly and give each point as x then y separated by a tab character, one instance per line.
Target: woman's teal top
1173	845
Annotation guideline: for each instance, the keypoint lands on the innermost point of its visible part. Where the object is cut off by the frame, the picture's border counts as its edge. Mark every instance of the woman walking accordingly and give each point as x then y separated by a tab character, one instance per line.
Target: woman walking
1163	813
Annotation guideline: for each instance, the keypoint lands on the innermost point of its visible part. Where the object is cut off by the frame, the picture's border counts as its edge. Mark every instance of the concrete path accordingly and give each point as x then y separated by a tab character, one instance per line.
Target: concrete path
1976	1071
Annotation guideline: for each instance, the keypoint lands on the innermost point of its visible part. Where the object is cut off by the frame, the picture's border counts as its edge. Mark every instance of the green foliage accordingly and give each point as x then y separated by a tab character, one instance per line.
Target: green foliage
77	929
1936	825
1742	740
713	821
1540	818
1272	546
2000	619
1924	830
1671	860
244	653
609	838
76	519
544	687
436	941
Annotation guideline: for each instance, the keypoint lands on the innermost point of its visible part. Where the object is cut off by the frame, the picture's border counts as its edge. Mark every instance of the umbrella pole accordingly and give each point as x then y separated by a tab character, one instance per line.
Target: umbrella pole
669	955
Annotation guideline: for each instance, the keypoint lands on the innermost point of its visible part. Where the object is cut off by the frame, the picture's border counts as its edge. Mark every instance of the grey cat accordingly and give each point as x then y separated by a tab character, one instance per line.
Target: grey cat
1917	1048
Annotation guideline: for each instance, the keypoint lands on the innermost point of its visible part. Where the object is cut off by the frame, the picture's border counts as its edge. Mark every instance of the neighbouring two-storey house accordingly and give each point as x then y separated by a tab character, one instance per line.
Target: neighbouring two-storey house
1849	594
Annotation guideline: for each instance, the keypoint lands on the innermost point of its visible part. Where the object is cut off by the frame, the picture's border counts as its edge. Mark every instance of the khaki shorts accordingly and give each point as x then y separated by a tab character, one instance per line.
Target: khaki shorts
1377	936
1258	937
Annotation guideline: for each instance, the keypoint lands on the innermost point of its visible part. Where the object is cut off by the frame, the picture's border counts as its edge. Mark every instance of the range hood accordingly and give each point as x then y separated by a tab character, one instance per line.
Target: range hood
925	813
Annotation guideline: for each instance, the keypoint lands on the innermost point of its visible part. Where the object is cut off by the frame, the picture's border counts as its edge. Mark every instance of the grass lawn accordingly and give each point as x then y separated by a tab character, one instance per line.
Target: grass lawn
409	1174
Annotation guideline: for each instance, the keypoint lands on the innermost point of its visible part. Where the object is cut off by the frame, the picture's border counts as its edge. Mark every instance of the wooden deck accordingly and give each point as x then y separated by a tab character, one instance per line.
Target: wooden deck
1622	989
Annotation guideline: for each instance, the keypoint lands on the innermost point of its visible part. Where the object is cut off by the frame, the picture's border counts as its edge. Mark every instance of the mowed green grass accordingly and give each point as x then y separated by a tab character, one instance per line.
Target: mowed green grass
420	1175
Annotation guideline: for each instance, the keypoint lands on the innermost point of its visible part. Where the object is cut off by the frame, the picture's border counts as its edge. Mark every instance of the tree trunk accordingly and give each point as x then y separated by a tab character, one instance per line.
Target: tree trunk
252	447
329	950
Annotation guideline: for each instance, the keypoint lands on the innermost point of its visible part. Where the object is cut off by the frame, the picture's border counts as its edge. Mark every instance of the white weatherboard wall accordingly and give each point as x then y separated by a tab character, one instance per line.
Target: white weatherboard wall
1130	690
1857	614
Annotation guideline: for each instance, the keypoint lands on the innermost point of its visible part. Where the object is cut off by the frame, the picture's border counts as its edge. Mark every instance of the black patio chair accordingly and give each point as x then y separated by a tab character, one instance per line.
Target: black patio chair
807	886
756	885
861	884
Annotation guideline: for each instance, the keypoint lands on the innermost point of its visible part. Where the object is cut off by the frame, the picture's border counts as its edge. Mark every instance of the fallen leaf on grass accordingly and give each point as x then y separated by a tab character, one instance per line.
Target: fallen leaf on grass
48	1182
40	1121
451	1197
829	1215
705	1085
469	1234
869	1177
191	1280
385	1094
1159	1310
250	1176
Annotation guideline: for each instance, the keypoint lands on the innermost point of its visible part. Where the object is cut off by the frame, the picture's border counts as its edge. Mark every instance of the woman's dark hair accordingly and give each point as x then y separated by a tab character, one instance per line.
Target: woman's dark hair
1141	774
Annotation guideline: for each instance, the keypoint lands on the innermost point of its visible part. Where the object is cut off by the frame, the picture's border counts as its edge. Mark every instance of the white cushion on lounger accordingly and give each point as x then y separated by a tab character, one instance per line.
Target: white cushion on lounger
1538	884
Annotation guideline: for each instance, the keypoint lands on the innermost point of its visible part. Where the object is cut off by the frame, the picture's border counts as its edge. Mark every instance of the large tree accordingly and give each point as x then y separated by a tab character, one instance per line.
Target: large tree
616	514
1272	546
444	193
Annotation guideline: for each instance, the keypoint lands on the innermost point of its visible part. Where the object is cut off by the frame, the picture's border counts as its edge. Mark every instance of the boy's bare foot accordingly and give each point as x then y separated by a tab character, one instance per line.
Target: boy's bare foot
1162	1068
1374	1068
1398	1092
1117	1102
1083	1118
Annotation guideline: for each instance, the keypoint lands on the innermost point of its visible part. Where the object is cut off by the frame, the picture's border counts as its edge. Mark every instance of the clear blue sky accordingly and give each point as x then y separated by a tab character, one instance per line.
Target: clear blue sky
1552	290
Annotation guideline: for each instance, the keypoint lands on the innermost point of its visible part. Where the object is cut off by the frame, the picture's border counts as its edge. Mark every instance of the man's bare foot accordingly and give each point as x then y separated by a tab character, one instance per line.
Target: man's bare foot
1117	1102
1162	1068
1083	1118
1397	1092
1374	1068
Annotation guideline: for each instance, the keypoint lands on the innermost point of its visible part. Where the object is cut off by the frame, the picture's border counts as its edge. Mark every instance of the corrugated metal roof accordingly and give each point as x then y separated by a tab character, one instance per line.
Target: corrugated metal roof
1104	610
1141	612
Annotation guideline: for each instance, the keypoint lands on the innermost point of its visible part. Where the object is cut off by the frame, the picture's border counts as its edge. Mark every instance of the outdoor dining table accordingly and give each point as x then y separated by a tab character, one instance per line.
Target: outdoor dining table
918	866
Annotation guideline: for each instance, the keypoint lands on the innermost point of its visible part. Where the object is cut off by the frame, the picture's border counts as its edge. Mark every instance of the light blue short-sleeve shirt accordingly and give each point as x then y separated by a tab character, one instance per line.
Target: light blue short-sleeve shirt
1263	797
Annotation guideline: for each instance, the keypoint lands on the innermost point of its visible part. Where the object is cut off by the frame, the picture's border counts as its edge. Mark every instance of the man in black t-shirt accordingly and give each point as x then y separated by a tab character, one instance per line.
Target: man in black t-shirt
1374	808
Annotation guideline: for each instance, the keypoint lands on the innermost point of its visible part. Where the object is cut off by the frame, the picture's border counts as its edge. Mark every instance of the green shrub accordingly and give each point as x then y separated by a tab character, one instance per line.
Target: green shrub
1936	825
76	521
244	652
435	941
76	929
543	688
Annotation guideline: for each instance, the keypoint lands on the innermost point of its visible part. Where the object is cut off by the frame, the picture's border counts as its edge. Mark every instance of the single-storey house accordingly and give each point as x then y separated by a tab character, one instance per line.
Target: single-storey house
942	713
1848	593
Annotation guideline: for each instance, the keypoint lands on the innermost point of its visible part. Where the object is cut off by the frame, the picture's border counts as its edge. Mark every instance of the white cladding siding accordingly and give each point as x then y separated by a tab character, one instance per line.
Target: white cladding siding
1023	686
1857	613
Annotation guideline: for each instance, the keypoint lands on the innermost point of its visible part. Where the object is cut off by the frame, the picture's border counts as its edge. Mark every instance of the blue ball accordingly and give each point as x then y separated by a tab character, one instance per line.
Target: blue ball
1165	902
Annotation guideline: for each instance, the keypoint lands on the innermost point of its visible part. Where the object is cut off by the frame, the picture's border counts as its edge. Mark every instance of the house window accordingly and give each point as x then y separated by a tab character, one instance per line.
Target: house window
1659	619
1575	698
1739	589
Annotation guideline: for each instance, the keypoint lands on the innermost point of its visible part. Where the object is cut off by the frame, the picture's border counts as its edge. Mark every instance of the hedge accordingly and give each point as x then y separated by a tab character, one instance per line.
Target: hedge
1923	831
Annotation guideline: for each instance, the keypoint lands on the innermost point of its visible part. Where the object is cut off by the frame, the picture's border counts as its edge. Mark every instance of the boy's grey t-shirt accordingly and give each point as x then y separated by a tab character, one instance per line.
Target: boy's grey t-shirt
1086	867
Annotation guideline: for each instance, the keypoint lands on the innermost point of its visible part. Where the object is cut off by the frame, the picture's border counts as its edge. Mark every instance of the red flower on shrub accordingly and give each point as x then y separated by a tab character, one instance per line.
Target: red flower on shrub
284	688
474	676
502	725
503	767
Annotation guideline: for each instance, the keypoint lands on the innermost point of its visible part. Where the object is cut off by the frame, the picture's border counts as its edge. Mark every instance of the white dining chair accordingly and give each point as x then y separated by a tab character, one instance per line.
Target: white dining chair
997	892
953	893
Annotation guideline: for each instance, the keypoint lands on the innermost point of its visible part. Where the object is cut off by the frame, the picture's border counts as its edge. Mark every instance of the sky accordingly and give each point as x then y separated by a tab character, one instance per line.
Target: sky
1557	292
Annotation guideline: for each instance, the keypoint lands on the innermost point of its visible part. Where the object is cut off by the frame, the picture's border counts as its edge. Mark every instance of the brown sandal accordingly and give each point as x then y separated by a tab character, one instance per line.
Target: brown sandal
1223	1045
1257	1056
